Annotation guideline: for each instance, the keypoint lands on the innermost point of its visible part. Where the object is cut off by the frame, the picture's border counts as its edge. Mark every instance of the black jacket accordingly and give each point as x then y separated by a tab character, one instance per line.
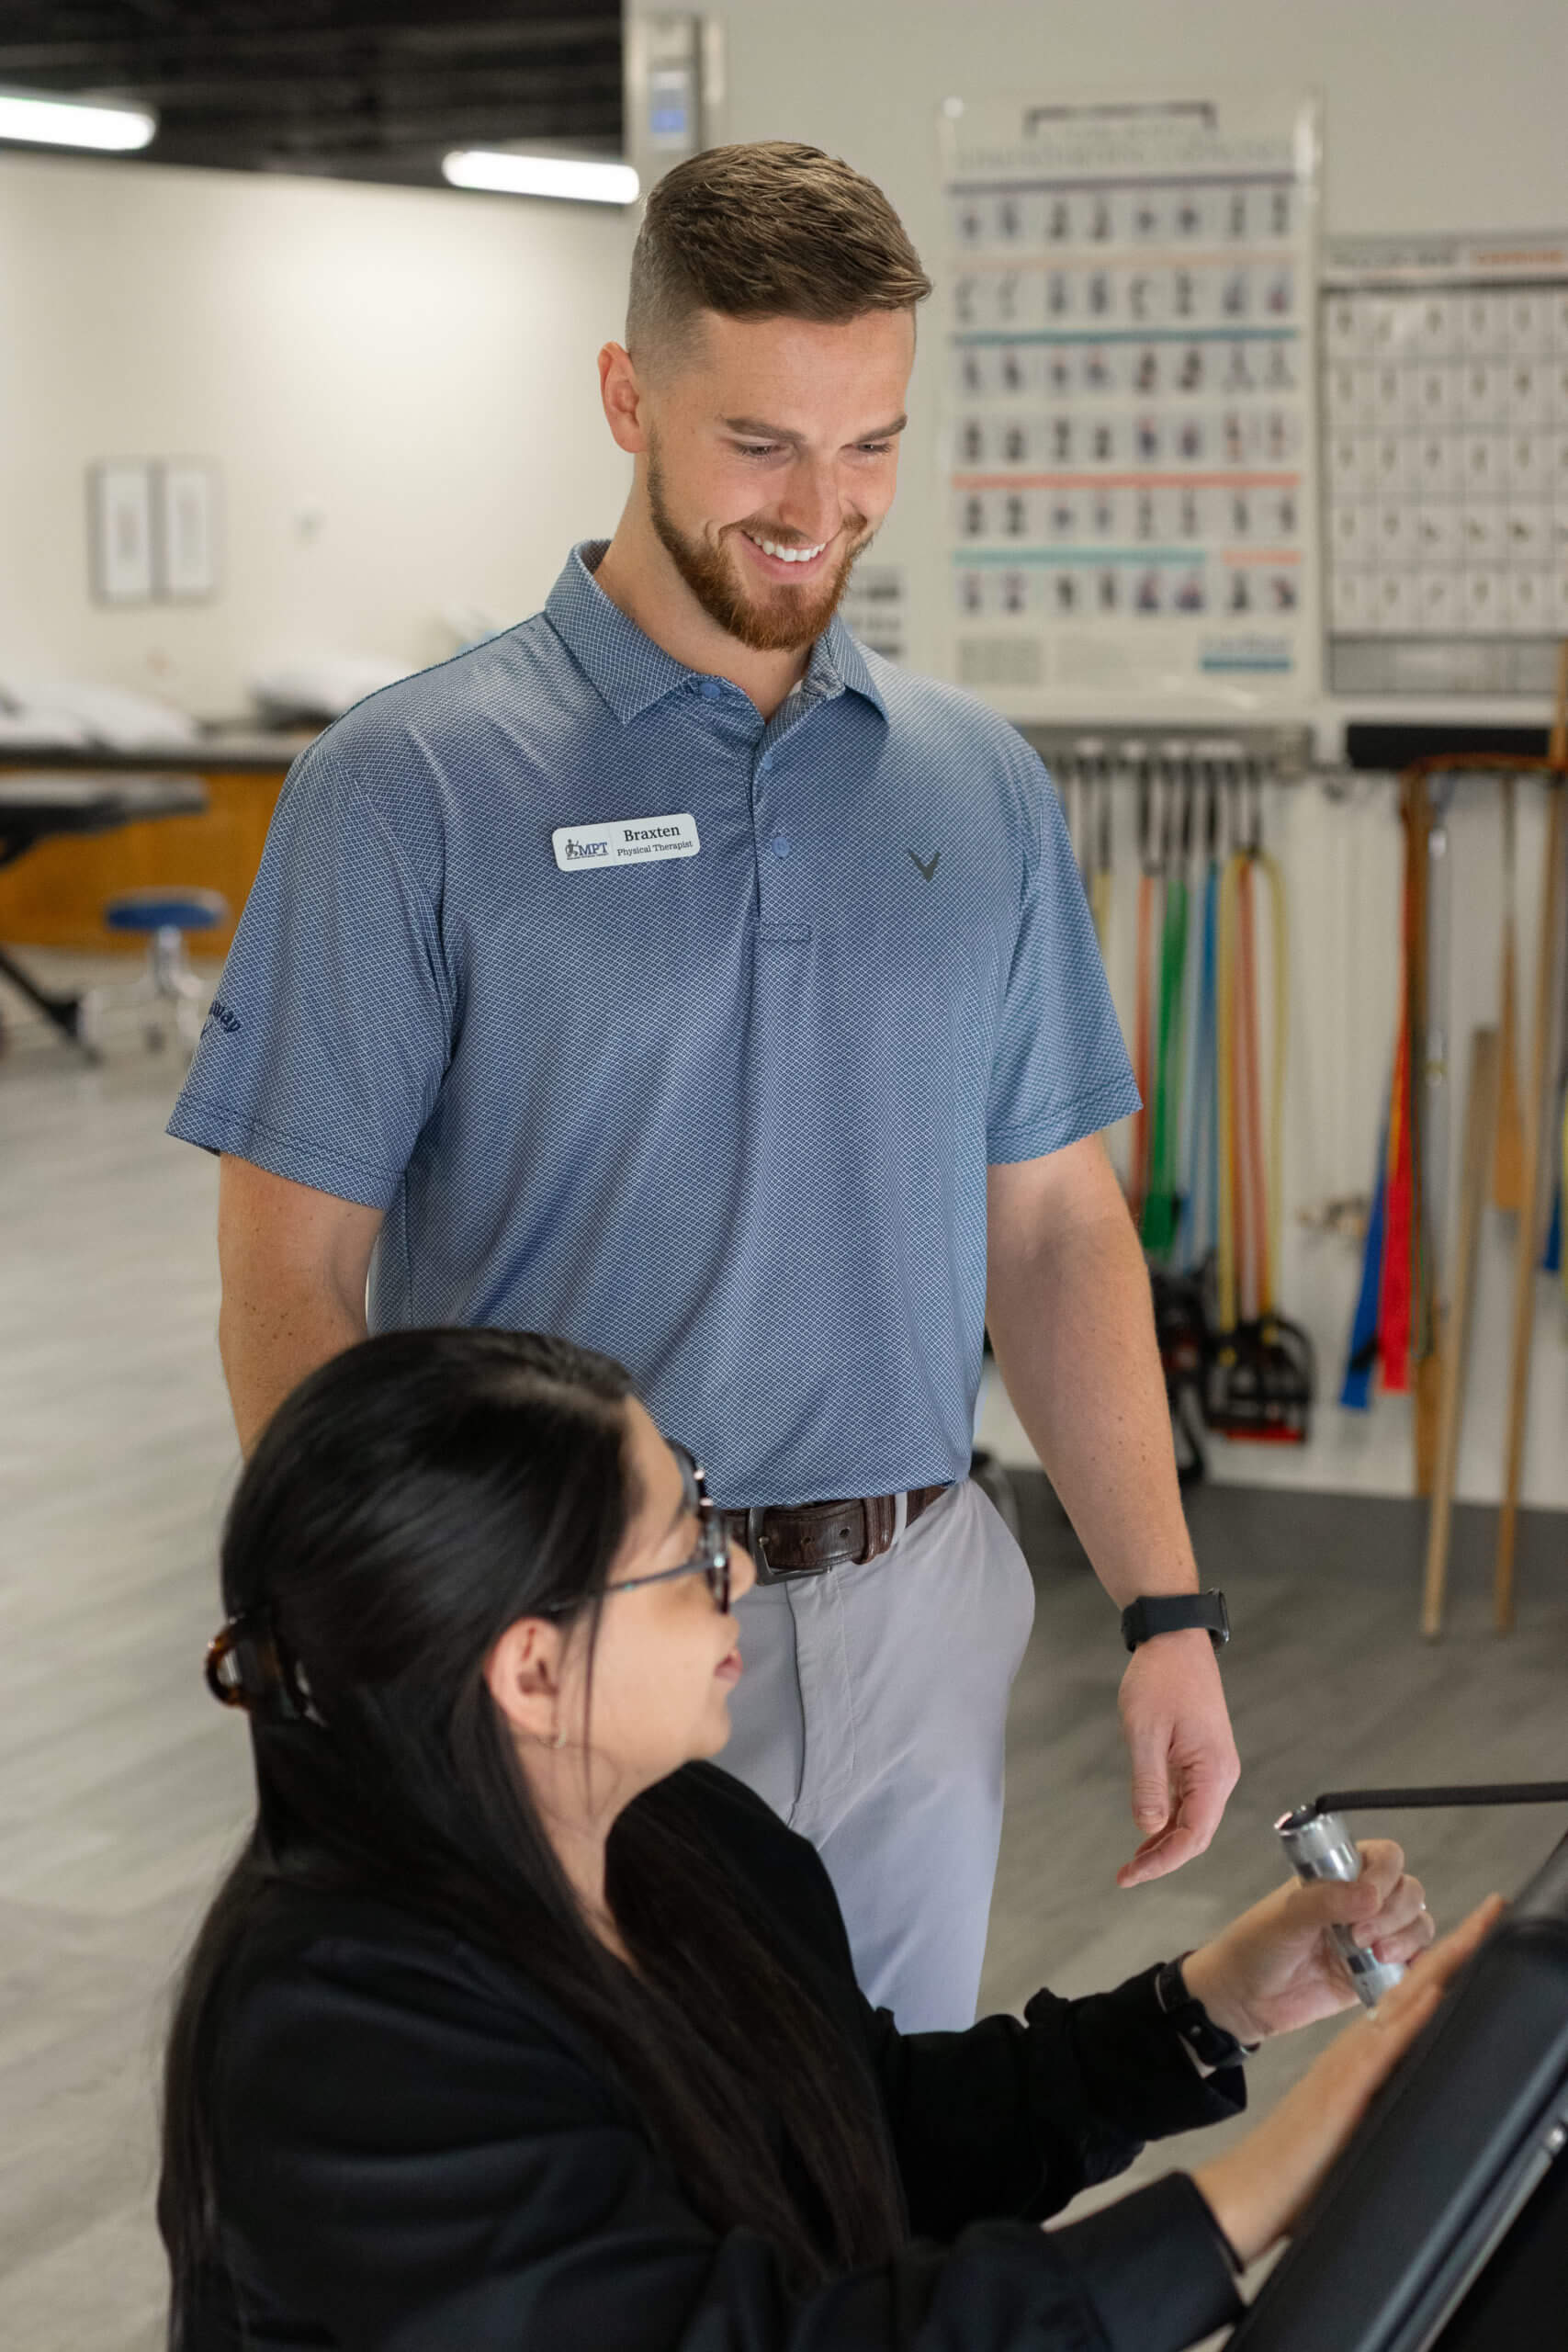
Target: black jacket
416	2152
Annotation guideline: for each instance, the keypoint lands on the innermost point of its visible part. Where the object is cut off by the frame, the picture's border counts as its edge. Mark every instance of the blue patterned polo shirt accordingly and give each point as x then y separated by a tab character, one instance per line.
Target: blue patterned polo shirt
684	1035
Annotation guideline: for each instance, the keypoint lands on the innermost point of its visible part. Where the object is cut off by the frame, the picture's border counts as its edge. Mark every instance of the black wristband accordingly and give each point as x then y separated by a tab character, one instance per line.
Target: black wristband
1176	1612
1209	2043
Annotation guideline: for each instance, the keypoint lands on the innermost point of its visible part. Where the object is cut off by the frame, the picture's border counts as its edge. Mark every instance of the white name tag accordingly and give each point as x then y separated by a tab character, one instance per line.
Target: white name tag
631	840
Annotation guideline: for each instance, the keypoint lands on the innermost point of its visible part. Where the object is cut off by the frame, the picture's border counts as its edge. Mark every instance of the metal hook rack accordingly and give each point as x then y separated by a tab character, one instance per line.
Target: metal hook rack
1178	757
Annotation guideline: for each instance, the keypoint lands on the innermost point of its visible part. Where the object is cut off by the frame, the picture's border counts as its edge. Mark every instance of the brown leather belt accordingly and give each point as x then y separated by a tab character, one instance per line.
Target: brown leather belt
804	1539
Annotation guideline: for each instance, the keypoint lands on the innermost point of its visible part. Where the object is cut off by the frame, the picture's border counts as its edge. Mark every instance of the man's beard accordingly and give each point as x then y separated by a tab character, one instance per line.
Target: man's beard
779	620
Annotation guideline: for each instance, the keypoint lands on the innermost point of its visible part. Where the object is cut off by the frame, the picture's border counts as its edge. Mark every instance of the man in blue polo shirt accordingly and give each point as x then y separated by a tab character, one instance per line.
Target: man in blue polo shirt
672	974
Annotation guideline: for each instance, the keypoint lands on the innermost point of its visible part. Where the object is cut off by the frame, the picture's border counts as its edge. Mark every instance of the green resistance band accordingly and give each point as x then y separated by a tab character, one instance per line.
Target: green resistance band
1162	1203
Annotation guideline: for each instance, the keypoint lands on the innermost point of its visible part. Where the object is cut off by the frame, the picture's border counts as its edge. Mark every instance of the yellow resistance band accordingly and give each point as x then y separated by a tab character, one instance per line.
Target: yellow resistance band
1224	1002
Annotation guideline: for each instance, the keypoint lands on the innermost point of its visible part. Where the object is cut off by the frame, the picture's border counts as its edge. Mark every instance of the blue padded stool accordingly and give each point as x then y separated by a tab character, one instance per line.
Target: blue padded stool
163	915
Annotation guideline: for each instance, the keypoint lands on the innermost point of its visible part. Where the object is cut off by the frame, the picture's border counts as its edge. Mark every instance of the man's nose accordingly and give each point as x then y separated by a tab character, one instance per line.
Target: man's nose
812	509
742	1573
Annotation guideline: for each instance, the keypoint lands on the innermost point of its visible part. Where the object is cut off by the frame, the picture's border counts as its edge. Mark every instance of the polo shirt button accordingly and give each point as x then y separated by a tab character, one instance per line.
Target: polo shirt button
780	845
711	689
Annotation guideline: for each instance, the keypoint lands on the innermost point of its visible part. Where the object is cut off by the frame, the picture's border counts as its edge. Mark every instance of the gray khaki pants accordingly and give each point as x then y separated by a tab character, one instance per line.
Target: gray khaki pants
869	1716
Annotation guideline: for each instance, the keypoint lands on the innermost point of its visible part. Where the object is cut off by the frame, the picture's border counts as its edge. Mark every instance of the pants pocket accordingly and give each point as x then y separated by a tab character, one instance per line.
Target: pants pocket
1013	1583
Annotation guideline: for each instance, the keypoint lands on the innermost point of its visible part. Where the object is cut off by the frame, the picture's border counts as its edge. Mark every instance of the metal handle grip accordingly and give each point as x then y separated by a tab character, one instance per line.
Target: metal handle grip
1318	1846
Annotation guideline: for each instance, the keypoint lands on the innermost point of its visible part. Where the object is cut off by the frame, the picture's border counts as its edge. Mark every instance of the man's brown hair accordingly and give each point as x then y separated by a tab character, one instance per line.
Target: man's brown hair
771	230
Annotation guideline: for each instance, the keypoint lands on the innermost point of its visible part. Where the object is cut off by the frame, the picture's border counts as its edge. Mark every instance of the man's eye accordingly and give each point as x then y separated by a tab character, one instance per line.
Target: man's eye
771	448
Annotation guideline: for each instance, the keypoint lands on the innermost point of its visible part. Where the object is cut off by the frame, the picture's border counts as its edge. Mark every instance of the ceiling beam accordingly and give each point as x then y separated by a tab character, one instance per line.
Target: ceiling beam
129	55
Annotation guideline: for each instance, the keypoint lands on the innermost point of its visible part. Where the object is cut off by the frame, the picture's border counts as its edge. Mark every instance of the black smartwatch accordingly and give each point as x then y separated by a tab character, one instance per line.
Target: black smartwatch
1207	2044
1176	1612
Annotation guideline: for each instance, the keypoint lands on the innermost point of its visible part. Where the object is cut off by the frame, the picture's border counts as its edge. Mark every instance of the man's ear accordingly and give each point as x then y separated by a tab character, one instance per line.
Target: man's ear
625	399
524	1672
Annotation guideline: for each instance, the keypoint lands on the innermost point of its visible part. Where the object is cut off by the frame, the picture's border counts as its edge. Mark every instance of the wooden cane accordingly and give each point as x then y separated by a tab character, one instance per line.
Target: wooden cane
1535	1155
1479	1120
1508	1144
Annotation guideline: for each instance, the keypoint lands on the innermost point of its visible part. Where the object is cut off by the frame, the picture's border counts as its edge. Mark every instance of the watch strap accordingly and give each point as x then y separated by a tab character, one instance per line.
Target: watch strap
1176	1612
1208	2045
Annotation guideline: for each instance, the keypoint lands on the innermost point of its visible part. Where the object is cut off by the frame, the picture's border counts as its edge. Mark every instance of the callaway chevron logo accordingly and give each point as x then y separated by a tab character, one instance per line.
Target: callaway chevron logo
927	870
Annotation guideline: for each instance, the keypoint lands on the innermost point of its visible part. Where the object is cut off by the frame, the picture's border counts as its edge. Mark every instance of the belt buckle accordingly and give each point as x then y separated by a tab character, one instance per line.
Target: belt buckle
766	1572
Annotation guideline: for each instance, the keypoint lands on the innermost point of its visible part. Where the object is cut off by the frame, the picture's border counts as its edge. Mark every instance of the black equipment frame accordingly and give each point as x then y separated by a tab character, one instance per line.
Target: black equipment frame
1458	2145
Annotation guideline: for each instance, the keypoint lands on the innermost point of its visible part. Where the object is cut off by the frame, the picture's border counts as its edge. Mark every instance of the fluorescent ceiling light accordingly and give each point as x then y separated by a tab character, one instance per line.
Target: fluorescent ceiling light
503	173
74	122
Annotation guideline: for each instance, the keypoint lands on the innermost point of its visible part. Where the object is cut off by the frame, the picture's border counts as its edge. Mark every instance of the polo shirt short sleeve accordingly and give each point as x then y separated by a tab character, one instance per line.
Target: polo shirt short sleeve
687	1036
326	1048
1059	1057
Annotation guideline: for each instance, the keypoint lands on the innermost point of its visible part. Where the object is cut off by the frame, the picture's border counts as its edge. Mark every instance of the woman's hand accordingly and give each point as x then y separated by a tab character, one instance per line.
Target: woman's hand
1276	1968
1256	2190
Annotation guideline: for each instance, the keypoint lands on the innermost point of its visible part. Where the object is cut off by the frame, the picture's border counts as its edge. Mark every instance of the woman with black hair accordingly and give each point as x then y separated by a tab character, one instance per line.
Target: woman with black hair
517	2024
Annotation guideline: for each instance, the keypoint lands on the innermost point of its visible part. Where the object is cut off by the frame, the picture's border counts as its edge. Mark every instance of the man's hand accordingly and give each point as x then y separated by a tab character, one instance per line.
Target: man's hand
1184	1761
1276	1967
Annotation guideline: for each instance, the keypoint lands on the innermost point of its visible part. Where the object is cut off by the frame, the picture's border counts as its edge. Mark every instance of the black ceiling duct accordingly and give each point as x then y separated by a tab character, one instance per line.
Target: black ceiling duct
346	89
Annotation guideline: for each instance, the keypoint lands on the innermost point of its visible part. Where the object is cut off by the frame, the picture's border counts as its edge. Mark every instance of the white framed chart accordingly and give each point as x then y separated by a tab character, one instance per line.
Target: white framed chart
1445	363
1130	462
120	508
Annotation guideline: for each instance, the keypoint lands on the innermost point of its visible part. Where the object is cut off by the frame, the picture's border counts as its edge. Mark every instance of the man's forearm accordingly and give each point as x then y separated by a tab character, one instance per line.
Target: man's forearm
269	1342
1072	1330
1072	1324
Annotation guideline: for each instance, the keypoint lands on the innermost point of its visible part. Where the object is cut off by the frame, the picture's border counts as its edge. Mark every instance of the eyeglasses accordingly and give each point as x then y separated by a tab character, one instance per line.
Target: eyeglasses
711	1559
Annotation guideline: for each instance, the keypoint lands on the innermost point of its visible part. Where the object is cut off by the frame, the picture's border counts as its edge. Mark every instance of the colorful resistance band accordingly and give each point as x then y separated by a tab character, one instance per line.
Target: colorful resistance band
1201	1113
1100	887
1139	1174
1273	875
1356	1389
1248	1180
1261	1380
1226	1158
1257	1285
1552	1259
1402	1298
1161	1201
1393	1291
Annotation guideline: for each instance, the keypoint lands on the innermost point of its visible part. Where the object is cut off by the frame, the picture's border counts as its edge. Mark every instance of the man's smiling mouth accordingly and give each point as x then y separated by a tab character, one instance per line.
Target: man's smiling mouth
784	555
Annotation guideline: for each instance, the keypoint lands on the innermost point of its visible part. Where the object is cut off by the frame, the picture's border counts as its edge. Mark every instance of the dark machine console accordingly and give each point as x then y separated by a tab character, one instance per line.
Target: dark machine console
1444	2226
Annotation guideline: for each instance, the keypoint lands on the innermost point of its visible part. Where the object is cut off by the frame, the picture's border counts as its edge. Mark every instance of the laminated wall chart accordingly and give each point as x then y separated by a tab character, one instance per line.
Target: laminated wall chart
1130	453
1445	419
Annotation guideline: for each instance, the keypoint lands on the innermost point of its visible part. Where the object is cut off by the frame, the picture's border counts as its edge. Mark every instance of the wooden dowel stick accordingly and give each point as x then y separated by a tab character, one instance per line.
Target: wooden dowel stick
1535	1155
1508	1144
1479	1120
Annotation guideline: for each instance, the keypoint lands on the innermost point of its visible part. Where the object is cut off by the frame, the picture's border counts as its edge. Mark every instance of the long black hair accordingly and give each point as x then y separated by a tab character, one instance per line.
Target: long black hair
408	1502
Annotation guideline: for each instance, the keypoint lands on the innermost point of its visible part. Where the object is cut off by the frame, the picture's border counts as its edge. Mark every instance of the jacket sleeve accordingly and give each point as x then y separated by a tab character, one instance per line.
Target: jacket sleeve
408	2160
1017	2118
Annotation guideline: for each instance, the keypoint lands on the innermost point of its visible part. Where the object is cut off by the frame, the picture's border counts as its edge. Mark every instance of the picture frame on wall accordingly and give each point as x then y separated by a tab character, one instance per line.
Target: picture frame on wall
120	531
185	537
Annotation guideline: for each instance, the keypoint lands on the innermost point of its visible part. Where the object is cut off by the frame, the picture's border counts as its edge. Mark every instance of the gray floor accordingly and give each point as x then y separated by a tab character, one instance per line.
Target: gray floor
123	1788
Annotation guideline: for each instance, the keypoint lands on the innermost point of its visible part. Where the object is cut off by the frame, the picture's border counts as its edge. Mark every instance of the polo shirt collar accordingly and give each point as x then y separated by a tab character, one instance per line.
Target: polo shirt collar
632	673
625	664
841	660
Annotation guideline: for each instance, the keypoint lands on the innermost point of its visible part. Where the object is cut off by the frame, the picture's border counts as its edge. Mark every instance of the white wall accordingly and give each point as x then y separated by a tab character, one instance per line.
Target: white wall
1438	115
415	367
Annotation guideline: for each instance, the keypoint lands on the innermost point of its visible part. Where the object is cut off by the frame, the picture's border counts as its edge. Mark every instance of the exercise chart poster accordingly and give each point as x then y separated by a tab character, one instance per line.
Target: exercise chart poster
1445	365
1130	398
